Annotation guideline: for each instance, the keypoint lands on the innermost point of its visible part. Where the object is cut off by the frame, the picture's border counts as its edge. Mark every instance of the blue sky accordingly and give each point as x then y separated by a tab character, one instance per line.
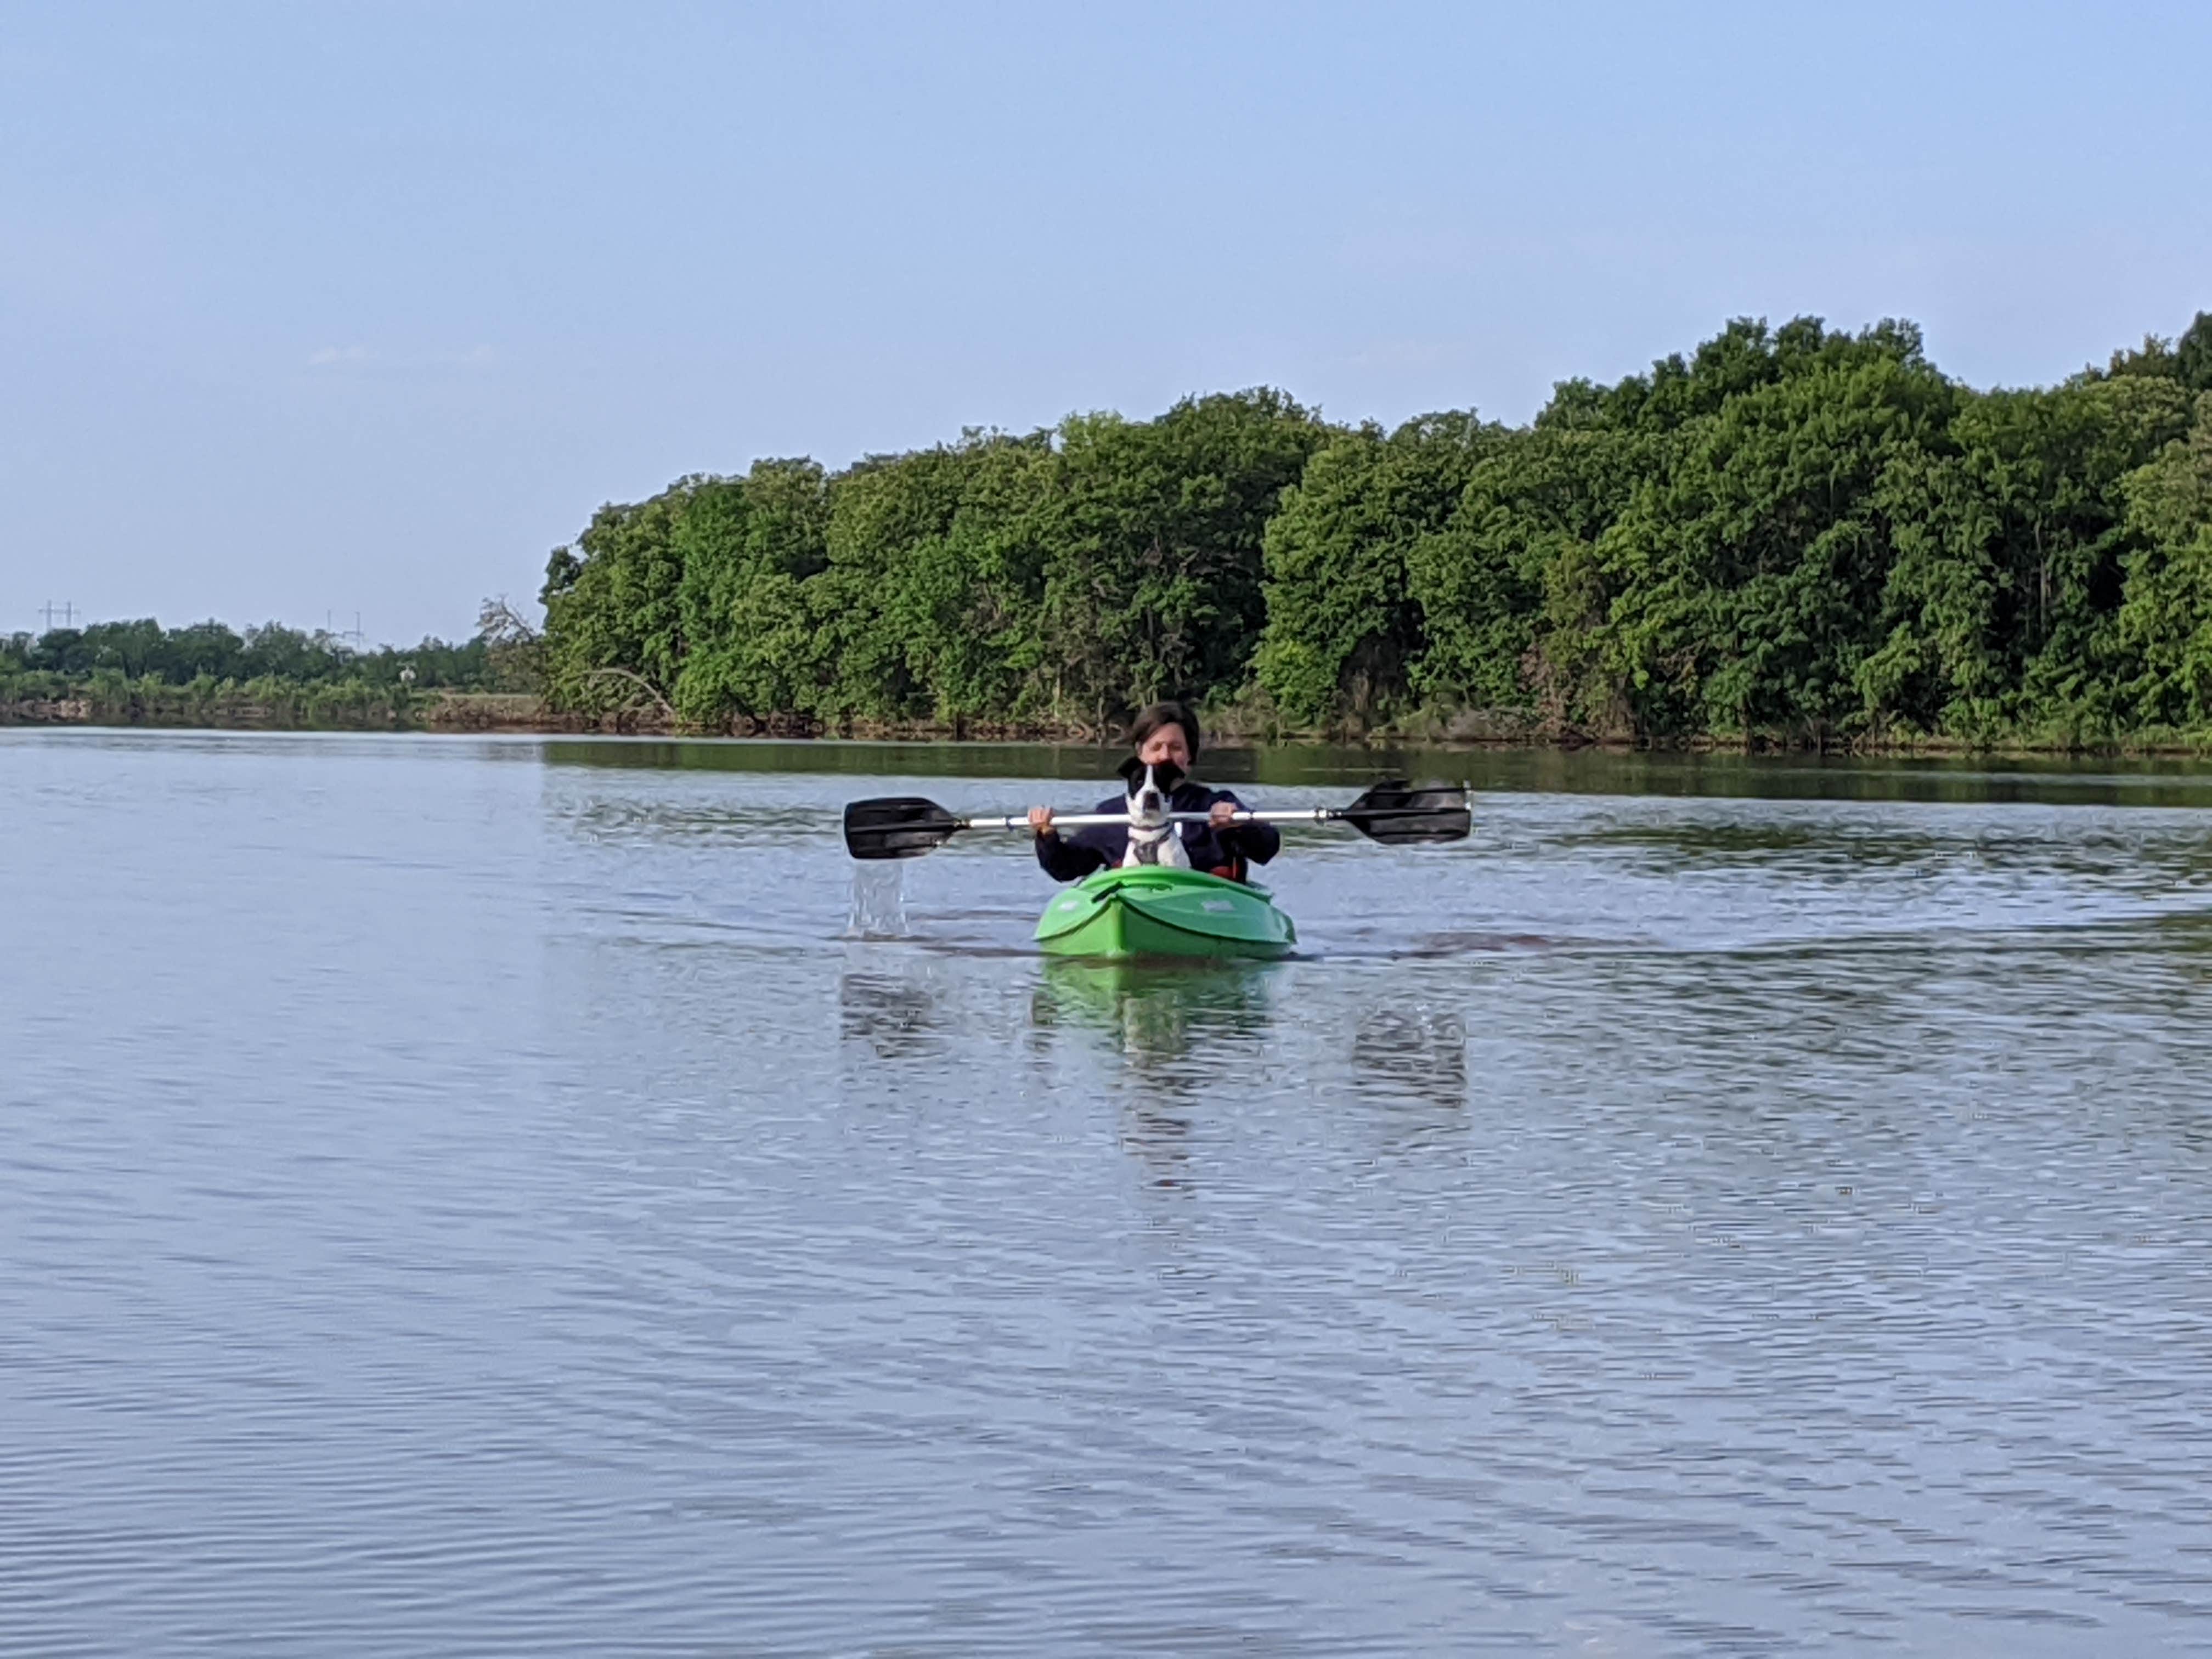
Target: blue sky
311	309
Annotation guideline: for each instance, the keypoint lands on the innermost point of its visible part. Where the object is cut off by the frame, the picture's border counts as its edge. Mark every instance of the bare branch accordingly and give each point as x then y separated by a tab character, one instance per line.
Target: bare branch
639	680
499	623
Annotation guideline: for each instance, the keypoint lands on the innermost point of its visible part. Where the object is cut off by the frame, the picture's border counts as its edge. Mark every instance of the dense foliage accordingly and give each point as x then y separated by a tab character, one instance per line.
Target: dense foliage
209	673
1061	577
1794	533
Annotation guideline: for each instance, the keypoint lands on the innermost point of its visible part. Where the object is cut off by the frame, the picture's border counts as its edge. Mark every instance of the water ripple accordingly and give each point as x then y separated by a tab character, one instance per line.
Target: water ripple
449	1204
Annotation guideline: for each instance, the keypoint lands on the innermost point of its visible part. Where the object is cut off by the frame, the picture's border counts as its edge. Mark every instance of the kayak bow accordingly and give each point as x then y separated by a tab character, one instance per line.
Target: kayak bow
1158	910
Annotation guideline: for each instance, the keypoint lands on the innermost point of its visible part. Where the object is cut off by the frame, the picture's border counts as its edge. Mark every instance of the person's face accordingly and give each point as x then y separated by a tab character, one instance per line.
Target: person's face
1168	743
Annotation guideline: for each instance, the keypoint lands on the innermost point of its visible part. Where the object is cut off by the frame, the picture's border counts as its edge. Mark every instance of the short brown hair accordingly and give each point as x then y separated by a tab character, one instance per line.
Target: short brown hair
1165	713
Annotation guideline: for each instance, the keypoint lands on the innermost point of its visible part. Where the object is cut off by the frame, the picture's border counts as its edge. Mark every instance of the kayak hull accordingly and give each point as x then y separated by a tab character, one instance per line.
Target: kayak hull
1146	911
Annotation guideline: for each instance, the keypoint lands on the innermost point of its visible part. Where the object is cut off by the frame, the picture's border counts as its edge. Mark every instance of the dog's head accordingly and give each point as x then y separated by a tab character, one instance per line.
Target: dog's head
1150	787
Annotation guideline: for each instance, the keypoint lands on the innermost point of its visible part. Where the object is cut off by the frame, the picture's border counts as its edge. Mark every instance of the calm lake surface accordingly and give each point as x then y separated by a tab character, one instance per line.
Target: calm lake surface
535	1196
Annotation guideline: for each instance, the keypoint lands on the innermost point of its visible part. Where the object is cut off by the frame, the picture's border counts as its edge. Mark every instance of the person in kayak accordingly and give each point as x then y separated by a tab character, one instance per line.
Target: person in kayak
1166	734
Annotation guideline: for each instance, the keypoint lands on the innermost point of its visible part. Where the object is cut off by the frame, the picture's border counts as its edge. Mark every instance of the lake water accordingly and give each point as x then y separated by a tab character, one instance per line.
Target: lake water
531	1197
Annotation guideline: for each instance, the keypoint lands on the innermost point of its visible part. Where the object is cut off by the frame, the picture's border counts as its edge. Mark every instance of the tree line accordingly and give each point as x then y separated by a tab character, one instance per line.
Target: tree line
211	673
1792	534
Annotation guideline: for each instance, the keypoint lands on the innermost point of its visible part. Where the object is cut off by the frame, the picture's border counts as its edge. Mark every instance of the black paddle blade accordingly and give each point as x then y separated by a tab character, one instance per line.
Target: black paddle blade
897	827
1398	815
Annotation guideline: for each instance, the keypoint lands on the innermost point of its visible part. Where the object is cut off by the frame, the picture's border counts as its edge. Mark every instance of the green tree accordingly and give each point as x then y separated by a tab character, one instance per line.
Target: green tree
1152	537
614	625
2165	621
1513	596
1344	629
1790	532
1746	579
746	548
936	577
2192	356
1998	609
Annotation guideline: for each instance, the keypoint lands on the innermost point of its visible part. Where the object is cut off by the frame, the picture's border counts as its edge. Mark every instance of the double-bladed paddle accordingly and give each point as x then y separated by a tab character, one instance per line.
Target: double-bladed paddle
1396	814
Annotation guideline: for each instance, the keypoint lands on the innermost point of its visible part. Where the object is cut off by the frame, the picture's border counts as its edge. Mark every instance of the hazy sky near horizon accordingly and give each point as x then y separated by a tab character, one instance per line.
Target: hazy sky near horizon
321	309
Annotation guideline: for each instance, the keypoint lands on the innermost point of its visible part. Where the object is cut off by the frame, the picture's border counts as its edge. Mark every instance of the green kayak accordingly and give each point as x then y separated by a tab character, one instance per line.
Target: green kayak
1150	910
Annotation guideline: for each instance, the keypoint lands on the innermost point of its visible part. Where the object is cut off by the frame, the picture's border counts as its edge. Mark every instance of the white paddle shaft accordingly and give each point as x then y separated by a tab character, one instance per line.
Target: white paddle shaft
1085	820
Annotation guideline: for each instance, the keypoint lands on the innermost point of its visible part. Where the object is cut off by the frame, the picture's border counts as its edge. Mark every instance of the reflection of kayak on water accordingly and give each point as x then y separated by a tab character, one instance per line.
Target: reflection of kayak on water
1156	910
1154	1008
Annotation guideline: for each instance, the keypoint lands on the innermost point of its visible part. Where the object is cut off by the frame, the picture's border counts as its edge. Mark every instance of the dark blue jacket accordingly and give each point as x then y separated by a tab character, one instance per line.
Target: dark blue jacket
1101	846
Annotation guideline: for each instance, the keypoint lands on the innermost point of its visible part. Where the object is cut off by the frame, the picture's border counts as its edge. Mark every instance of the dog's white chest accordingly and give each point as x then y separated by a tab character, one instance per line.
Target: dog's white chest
1159	846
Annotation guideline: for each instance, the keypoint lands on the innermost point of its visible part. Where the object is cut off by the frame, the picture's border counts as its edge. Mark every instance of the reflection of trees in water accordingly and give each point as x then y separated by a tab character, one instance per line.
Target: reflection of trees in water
1414	1054
895	1016
1161	1142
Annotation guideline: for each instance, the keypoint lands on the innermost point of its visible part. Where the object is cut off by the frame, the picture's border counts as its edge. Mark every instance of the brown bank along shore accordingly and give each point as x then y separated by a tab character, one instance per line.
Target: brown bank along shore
352	709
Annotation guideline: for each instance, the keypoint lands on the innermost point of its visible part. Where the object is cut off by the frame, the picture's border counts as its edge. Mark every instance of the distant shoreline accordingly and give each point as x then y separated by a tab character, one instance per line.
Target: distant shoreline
524	712
437	711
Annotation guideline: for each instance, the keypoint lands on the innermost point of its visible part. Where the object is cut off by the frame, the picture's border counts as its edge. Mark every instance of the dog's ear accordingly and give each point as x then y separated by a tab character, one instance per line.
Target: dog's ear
1167	774
1131	769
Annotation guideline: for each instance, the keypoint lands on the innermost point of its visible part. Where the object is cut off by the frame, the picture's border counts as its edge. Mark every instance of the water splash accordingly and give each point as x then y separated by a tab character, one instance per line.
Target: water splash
878	901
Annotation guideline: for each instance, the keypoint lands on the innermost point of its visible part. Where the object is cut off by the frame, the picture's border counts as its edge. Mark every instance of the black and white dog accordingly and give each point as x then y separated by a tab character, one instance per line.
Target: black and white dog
1153	838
